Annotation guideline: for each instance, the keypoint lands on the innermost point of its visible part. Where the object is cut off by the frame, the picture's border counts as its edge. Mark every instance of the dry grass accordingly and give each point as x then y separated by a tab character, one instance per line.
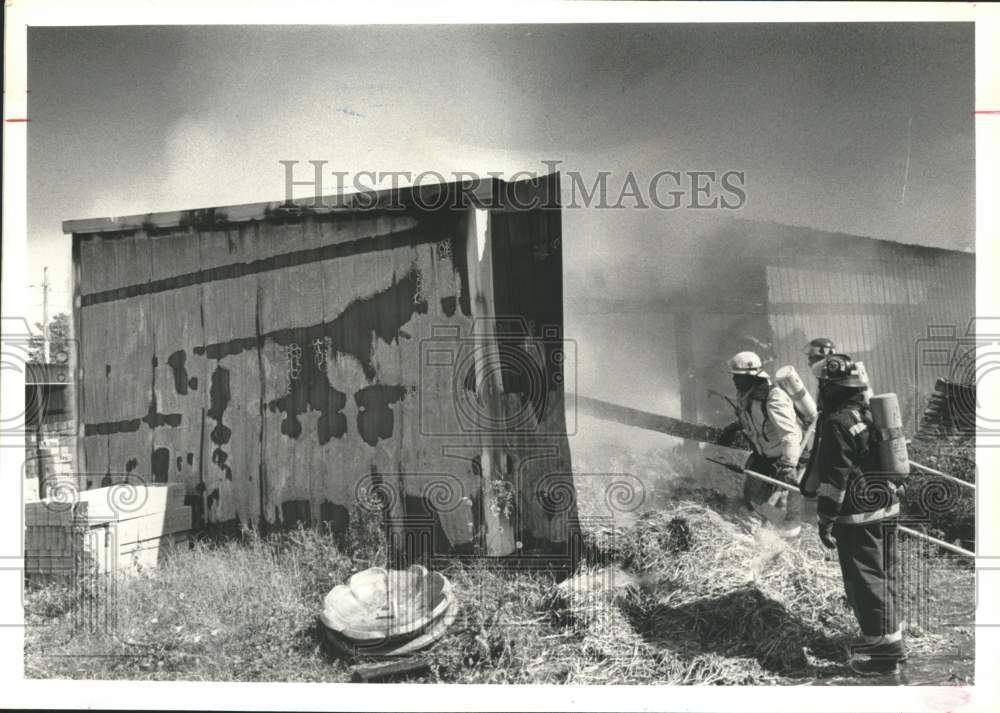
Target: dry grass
713	598
242	610
758	607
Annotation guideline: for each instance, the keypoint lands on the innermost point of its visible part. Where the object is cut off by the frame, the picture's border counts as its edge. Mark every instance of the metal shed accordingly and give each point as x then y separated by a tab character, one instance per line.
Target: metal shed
905	310
292	361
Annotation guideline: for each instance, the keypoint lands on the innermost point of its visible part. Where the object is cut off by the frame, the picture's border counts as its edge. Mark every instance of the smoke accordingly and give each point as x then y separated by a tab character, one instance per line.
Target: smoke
597	98
202	167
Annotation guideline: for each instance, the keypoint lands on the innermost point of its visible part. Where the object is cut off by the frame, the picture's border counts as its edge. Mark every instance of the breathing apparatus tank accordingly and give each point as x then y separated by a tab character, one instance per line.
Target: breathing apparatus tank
893	457
788	379
863	375
805	407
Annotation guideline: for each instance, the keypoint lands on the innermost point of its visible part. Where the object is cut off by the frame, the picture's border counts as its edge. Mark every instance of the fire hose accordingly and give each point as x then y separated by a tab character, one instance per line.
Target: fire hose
788	486
939	474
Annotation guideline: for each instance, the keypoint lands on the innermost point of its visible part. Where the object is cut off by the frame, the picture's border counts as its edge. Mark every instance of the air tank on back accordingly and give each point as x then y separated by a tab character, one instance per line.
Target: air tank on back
892	453
863	375
788	379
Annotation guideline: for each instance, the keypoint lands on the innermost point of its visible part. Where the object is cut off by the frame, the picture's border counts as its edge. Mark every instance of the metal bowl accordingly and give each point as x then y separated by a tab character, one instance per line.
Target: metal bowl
378	605
398	647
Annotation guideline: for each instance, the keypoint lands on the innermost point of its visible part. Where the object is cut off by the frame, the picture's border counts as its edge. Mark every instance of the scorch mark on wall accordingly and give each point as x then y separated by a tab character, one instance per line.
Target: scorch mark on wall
352	333
219	399
160	465
448	305
406	238
312	391
337	517
153	419
182	383
375	418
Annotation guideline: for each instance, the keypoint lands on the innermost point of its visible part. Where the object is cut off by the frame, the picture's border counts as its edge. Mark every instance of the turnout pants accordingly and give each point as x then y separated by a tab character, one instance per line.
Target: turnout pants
868	562
778	506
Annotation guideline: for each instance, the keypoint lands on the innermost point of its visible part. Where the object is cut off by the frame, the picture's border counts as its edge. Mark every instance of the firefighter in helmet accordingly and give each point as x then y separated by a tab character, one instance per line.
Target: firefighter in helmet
819	349
767	418
816	351
858	509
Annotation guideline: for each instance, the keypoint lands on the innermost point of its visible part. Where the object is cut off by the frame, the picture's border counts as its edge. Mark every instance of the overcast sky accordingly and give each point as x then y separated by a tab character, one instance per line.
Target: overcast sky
823	119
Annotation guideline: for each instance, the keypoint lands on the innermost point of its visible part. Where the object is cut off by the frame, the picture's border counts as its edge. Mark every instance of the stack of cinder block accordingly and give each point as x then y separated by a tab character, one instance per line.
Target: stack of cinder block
120	528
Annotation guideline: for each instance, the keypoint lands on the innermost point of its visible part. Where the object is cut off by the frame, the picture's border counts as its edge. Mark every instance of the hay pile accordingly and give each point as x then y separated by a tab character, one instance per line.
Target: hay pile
681	596
685	595
730	598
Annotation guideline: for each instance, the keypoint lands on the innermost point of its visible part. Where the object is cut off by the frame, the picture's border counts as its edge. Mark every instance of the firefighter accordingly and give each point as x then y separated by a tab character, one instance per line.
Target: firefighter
819	349
766	416
858	510
816	351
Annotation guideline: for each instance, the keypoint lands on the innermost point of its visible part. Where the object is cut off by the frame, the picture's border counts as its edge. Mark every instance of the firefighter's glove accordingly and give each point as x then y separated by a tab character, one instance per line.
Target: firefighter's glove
729	434
786	473
826	535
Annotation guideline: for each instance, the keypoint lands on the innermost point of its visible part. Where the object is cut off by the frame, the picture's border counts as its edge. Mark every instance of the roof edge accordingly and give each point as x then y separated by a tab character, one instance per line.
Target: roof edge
482	192
822	233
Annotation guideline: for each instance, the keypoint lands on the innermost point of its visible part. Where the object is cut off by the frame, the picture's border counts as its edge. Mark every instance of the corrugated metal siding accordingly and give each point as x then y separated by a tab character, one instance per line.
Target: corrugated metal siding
771	288
878	311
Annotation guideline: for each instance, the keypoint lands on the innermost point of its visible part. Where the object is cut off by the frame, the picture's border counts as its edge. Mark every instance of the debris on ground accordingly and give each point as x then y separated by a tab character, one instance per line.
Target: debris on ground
389	670
383	612
612	583
686	594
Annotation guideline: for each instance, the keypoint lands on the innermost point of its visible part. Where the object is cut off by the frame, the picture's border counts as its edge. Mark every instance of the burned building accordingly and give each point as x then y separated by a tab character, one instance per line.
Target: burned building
398	352
696	299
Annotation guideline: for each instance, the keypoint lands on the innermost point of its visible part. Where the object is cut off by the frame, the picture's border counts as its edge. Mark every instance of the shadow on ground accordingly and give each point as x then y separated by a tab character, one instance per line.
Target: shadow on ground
743	623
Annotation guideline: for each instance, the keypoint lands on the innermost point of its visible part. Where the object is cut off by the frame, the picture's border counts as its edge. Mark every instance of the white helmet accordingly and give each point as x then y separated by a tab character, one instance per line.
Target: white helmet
747	363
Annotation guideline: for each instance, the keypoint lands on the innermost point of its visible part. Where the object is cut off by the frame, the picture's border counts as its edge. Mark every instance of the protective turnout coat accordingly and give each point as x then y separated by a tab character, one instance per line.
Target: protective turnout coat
771	425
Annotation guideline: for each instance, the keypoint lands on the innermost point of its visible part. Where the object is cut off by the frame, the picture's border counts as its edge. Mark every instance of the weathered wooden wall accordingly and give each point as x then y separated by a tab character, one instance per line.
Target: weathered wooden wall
278	366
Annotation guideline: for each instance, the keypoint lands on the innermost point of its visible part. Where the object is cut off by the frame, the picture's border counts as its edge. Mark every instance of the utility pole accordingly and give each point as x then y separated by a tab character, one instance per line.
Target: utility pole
45	315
